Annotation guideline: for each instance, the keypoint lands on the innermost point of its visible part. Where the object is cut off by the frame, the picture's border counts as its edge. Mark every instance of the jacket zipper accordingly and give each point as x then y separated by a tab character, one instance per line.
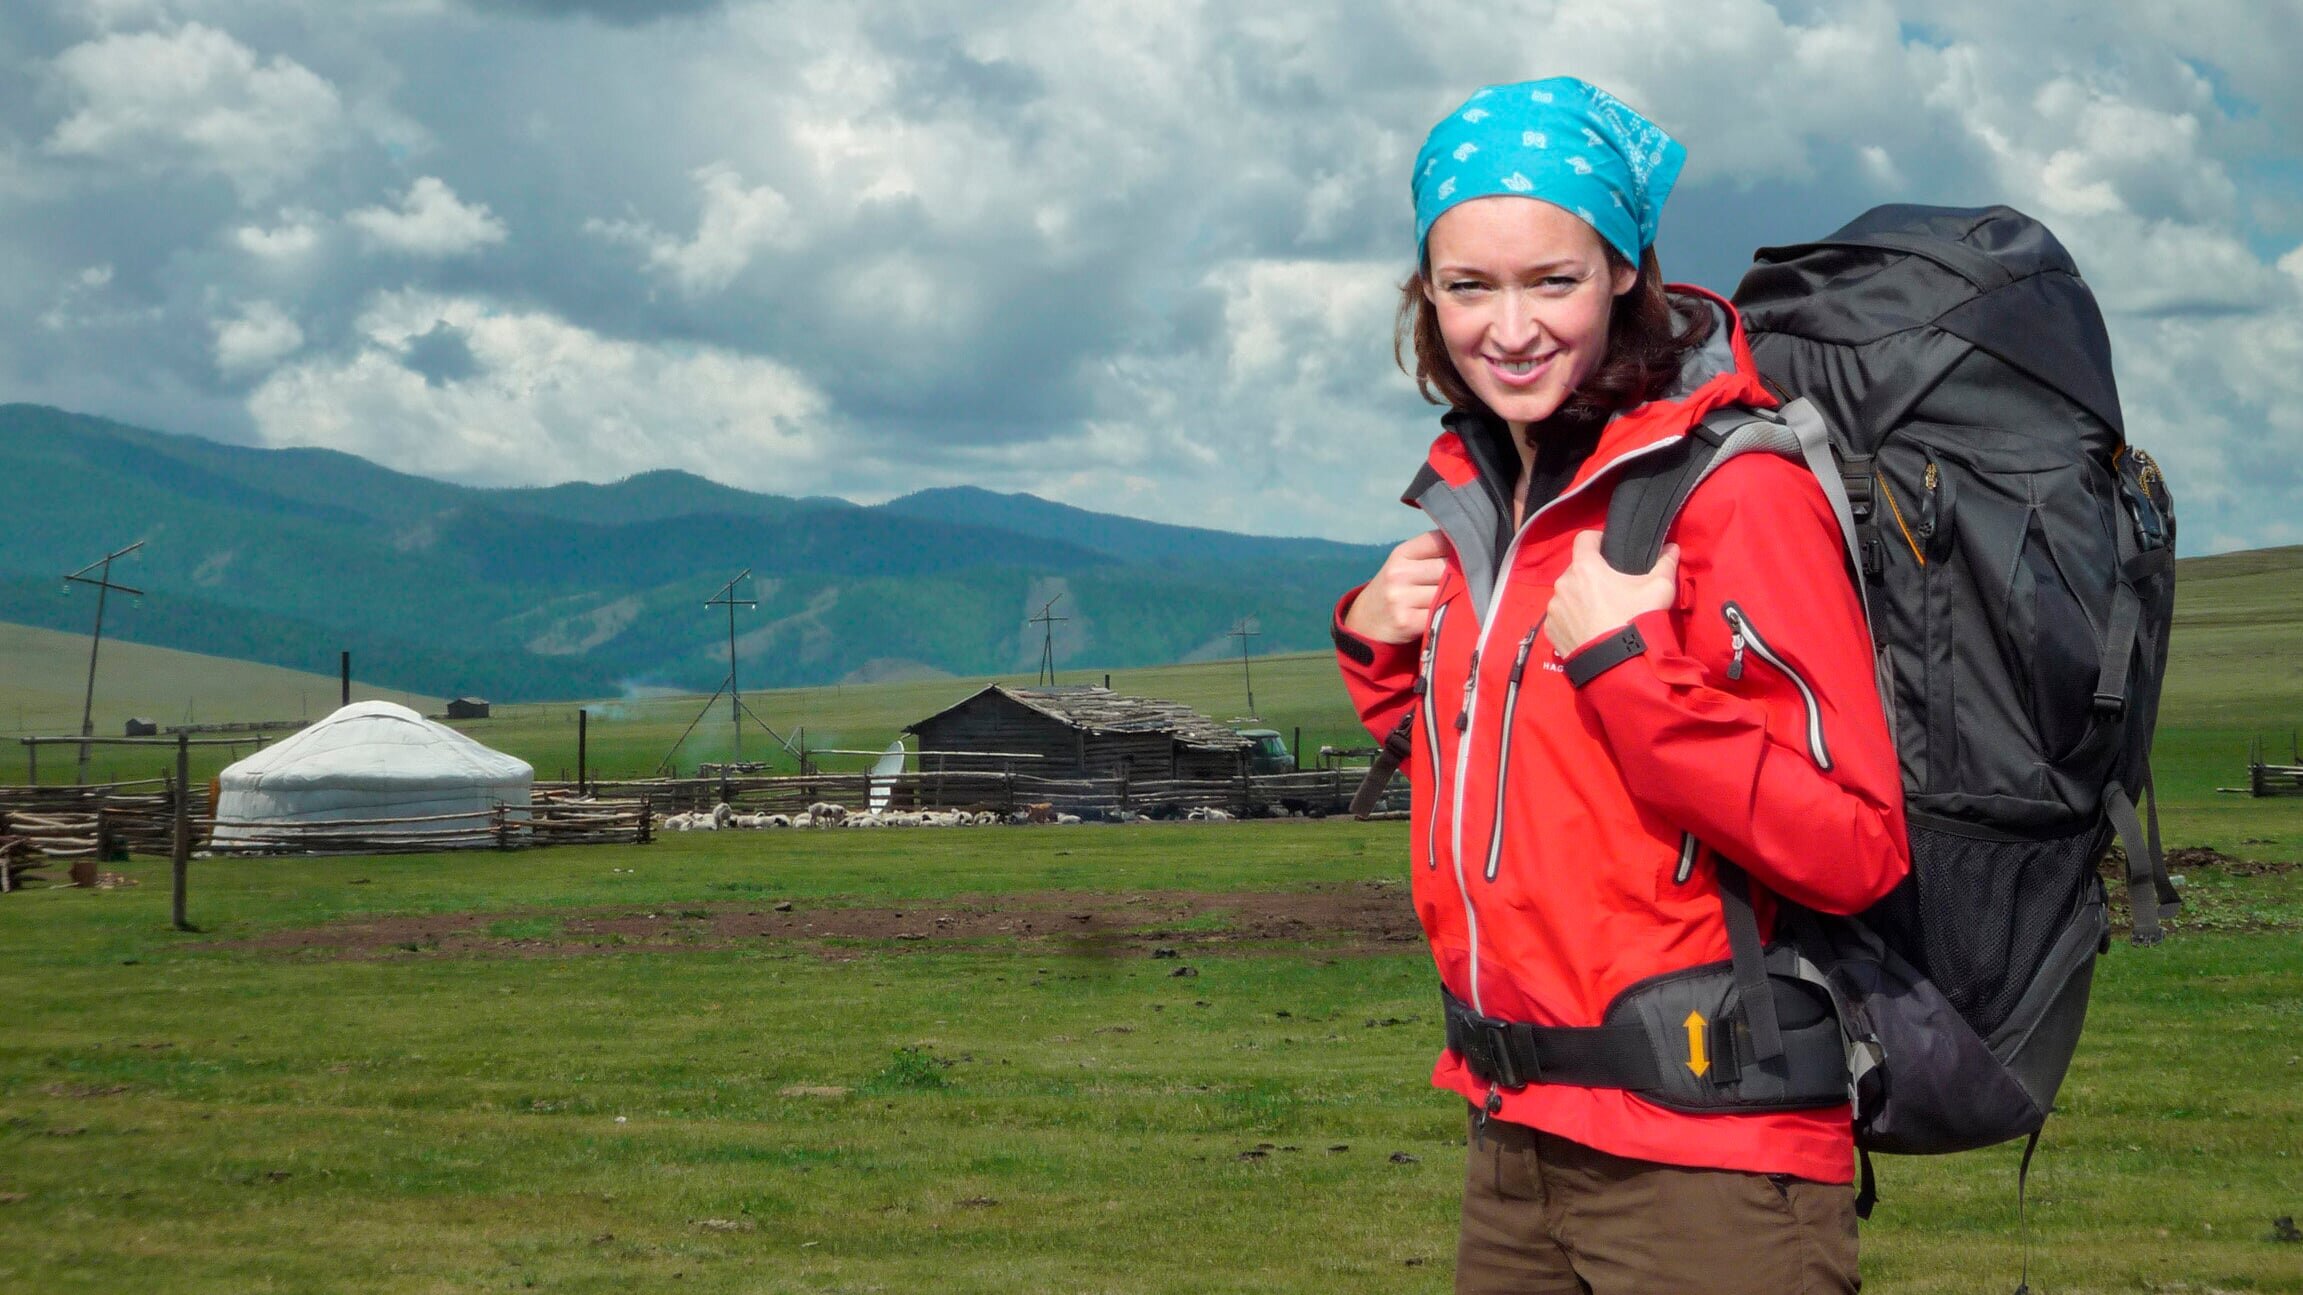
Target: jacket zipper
1743	634
1687	852
1431	735
1503	752
1471	690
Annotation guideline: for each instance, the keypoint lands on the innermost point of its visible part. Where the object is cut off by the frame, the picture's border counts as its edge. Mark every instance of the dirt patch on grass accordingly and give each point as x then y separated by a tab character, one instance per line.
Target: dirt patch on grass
1361	917
2206	909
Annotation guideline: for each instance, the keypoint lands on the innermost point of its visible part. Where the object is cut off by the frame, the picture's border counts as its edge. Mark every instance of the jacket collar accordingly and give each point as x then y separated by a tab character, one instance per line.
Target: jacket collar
1465	482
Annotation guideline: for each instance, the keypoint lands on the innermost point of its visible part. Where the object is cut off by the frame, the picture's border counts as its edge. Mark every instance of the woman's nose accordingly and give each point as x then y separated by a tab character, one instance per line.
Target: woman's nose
1517	326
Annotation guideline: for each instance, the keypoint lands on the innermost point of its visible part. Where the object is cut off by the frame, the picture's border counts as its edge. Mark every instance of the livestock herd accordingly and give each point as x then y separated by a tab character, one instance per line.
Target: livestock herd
824	814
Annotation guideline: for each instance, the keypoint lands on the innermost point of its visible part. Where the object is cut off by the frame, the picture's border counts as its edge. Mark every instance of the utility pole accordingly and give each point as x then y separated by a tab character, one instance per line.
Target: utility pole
103	582
726	597
1243	634
1048	620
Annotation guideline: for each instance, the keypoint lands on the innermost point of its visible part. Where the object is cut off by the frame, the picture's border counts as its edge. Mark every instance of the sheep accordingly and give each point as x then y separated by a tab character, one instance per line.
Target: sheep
1067	818
826	814
722	814
775	820
1039	812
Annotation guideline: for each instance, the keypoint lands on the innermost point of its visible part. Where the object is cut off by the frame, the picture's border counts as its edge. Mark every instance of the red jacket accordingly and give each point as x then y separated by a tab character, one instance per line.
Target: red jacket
1549	822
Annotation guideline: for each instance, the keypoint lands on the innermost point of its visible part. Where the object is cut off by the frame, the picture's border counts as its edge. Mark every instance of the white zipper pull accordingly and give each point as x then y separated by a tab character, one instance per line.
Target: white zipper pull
1735	641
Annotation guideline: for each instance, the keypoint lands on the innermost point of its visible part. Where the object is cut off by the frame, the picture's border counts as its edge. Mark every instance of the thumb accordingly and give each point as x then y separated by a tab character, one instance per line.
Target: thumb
1586	546
1667	562
1429	544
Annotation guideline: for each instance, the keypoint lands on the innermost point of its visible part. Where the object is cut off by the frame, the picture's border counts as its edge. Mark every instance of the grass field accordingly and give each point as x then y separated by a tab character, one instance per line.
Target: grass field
626	1068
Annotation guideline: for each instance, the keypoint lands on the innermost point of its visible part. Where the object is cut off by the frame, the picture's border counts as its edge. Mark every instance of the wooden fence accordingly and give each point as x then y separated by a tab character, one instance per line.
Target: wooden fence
2267	779
1314	792
44	824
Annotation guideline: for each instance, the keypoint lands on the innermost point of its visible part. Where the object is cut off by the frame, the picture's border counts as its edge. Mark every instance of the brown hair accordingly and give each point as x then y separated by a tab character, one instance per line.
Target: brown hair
1647	340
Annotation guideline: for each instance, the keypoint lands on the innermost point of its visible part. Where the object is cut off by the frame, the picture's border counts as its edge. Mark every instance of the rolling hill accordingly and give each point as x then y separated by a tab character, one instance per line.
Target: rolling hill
285	557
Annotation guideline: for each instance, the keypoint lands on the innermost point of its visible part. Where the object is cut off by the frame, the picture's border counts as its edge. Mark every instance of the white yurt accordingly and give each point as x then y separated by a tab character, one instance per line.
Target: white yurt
370	761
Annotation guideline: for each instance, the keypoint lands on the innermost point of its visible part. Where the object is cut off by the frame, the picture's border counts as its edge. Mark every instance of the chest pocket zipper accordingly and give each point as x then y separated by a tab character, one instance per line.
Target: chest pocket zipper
1503	753
1687	852
1423	687
1743	635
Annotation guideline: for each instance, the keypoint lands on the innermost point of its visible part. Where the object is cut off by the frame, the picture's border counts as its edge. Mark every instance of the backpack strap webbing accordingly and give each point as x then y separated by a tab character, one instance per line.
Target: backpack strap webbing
1397	746
2022	1219
1748	957
2151	894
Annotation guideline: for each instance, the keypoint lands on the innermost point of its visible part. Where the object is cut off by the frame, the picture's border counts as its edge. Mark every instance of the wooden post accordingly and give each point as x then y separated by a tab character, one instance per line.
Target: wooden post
32	754
347	693
180	841
1125	762
647	826
583	726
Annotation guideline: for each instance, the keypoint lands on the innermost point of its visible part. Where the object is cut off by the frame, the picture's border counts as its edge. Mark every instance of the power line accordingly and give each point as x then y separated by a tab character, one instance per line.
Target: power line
104	586
1243	633
726	597
1047	619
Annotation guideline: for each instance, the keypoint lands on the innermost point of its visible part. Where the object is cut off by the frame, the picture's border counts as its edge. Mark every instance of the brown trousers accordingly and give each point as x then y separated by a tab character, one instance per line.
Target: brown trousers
1546	1216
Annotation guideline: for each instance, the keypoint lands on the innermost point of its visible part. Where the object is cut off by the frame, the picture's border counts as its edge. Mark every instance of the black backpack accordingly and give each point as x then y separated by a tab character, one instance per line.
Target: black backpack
1950	382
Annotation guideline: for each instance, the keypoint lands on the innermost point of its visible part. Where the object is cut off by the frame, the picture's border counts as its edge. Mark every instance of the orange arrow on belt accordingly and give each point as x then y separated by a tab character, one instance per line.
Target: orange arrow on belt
1698	1035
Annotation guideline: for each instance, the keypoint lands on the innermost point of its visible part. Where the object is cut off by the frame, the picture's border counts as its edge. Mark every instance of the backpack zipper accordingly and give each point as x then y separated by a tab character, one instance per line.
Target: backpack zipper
1503	752
1431	734
1743	634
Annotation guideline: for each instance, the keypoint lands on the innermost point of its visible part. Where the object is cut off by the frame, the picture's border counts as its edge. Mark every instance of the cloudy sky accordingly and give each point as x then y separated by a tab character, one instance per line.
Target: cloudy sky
1135	256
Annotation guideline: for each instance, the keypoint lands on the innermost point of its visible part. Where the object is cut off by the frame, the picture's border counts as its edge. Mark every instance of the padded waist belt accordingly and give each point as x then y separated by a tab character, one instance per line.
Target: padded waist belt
1510	1054
1682	1040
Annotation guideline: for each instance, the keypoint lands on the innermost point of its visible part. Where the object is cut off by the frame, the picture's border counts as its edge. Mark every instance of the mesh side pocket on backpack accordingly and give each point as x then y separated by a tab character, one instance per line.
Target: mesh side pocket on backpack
1979	917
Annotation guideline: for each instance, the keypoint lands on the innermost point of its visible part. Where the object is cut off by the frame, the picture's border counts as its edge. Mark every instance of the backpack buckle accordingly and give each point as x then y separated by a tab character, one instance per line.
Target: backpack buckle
2110	704
1497	1038
1856	478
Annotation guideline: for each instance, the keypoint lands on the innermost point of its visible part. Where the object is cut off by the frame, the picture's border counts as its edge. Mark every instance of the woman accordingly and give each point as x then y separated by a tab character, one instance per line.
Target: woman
1590	746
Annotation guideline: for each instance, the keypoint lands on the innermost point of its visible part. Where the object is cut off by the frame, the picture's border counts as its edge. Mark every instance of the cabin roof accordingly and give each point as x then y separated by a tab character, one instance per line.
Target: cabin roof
1097	709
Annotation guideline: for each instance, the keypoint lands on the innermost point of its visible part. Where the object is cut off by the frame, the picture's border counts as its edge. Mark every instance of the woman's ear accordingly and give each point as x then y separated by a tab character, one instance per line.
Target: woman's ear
1625	277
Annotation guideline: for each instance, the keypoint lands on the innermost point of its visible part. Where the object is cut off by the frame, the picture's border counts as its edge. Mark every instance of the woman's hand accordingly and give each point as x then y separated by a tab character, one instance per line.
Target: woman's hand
1593	598
1395	607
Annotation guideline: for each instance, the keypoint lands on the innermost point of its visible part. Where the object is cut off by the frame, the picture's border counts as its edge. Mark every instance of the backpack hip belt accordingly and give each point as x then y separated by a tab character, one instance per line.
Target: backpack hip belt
1681	1040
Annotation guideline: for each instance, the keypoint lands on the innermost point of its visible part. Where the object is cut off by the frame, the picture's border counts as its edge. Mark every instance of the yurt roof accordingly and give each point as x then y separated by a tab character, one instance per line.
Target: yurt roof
377	743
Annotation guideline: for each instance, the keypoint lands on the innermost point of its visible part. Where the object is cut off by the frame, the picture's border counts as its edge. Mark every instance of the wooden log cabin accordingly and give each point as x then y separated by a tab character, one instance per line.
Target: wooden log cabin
1079	731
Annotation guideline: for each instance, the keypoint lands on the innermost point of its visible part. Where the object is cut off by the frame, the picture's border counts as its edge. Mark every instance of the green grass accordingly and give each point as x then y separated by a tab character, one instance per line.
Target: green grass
189	1113
193	1113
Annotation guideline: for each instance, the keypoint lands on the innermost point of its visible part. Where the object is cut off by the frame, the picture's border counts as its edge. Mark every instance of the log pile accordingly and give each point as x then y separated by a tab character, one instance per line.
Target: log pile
18	863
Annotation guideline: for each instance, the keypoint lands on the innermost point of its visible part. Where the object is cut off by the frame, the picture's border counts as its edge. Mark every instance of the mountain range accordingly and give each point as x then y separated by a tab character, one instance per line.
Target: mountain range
287	556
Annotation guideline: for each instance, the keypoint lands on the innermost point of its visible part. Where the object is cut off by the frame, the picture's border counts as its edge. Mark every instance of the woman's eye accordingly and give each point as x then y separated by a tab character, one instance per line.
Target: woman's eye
1558	282
1464	287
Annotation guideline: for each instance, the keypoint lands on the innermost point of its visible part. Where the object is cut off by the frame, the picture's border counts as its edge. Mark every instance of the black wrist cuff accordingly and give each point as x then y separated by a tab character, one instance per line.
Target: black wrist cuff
1604	654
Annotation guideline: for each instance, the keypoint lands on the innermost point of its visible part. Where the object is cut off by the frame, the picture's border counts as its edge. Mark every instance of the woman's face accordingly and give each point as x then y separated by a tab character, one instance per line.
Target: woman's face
1523	291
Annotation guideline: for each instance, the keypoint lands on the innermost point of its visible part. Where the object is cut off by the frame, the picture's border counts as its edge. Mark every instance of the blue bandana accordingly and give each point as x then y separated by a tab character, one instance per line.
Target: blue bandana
1565	141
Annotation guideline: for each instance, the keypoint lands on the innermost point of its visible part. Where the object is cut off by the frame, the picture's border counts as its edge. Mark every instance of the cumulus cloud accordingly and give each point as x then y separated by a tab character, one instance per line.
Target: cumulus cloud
1136	256
736	224
531	397
296	235
429	222
255	339
195	97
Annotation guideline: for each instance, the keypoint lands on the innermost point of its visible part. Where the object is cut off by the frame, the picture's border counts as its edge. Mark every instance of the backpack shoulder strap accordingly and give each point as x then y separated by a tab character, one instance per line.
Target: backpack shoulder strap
1649	495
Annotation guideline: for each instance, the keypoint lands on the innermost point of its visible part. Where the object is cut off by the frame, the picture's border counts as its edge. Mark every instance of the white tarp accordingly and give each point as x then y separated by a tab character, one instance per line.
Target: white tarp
371	760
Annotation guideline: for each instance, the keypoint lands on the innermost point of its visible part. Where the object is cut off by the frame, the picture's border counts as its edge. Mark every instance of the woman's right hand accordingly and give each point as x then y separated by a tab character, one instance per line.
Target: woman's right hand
1395	607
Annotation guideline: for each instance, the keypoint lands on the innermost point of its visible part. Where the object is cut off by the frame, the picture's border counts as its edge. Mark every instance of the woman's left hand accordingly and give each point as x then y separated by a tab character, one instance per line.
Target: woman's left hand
1593	598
